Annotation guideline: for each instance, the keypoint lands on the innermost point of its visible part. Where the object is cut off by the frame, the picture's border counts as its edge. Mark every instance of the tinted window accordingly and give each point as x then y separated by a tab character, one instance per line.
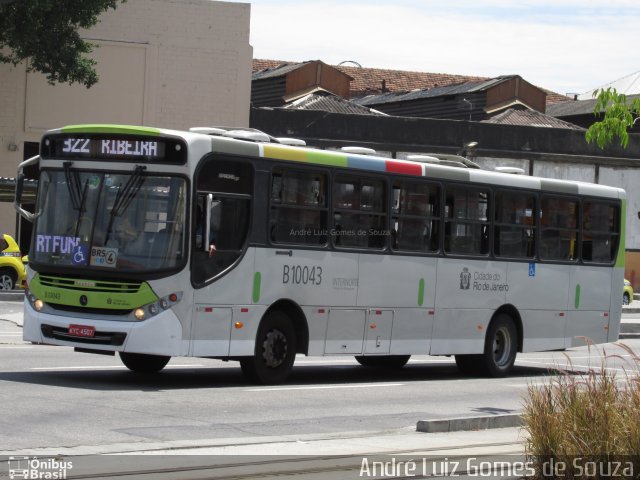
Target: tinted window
415	221
514	230
298	207
466	221
559	221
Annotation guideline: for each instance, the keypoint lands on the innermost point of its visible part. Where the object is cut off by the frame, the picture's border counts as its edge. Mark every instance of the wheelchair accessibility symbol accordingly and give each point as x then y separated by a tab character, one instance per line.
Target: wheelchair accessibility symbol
80	255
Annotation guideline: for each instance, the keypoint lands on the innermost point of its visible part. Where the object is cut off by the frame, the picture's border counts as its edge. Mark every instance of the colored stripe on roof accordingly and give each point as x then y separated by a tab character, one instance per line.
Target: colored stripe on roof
337	159
106	128
406	168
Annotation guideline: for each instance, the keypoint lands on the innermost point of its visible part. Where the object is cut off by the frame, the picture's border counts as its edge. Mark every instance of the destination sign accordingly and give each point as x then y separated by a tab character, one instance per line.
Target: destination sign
114	147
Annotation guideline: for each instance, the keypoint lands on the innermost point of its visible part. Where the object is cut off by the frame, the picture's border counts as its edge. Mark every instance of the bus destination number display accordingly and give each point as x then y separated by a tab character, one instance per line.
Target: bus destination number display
115	147
301	275
112	148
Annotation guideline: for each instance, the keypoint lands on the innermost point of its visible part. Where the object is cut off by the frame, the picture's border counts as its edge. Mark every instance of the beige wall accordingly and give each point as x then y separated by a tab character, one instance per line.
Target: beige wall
163	63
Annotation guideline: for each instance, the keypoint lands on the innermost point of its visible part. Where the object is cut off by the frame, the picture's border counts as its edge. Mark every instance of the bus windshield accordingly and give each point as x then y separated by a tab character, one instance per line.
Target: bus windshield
110	221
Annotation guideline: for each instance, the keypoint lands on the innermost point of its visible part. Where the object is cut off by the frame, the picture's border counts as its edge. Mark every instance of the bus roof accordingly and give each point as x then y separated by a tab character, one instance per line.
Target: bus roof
312	156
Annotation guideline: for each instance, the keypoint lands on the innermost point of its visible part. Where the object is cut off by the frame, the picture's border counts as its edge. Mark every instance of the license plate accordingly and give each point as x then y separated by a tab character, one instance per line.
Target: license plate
82	330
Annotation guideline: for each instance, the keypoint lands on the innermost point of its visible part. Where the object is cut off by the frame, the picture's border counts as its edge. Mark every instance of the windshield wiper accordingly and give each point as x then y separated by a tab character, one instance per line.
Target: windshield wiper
73	184
125	195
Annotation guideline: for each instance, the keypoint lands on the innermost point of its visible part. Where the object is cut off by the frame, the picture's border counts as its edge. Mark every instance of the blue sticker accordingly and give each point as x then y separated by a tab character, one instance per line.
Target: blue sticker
80	255
532	269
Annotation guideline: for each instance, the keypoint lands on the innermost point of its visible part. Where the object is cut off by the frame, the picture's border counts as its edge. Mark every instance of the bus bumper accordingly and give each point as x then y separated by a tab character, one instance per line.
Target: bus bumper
158	335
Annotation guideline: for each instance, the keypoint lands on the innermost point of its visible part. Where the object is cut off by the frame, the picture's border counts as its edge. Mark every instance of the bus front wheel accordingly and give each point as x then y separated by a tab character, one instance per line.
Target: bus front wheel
275	351
386	361
142	363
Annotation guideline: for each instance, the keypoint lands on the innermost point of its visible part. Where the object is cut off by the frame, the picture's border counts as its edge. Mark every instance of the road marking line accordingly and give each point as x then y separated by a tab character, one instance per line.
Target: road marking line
107	367
324	387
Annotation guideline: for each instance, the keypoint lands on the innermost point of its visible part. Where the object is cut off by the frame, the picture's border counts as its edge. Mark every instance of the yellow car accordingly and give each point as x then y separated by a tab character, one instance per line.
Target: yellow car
12	272
627	292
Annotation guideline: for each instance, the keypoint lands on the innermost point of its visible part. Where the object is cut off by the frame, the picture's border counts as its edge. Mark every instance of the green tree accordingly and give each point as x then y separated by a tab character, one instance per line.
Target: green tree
619	113
45	34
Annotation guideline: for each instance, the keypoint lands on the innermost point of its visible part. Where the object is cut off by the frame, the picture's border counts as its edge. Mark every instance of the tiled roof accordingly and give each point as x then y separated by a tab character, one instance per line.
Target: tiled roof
530	118
368	81
328	102
466	87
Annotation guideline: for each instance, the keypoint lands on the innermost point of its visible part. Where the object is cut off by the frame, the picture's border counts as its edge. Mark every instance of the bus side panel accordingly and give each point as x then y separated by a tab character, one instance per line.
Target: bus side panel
213	313
408	286
308	277
468	292
397	281
615	314
540	292
589	305
459	330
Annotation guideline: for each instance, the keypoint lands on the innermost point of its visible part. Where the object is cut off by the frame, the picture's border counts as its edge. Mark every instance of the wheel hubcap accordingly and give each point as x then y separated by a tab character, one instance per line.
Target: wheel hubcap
274	351
5	282
501	347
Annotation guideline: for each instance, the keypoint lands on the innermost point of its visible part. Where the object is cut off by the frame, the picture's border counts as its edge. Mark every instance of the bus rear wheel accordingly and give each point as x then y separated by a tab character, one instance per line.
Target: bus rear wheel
143	363
500	349
386	361
275	351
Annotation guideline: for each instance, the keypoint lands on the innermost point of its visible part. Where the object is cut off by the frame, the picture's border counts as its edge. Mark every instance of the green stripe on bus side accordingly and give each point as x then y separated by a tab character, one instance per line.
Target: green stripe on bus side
623	235
421	292
257	281
106	128
577	301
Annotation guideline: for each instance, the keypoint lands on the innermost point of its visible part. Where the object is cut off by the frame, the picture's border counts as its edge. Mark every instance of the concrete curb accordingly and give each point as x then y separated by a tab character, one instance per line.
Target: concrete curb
469	423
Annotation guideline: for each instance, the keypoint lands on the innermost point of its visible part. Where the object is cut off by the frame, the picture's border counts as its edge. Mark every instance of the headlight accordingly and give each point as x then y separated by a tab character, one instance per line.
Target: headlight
627	283
154	308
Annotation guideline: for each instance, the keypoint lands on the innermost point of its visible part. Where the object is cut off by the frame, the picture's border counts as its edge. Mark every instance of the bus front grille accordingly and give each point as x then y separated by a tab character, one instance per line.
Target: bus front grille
90	285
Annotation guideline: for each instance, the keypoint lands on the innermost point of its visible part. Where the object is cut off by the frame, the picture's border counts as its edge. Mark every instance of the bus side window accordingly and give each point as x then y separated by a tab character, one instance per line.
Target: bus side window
415	218
229	185
466	225
299	211
359	212
600	232
558	237
514	227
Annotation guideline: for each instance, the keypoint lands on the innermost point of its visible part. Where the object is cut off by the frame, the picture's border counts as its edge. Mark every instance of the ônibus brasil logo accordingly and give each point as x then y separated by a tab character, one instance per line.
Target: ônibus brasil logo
40	469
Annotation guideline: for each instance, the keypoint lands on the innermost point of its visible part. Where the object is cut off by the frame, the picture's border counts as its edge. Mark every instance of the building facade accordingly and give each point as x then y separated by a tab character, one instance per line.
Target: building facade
165	63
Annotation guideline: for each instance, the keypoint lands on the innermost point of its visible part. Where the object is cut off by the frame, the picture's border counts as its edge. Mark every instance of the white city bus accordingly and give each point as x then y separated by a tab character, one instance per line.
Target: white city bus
157	243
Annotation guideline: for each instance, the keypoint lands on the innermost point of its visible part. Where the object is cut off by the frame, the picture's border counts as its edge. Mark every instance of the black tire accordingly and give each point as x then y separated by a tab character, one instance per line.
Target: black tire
500	347
468	364
143	363
626	299
386	361
274	353
8	279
